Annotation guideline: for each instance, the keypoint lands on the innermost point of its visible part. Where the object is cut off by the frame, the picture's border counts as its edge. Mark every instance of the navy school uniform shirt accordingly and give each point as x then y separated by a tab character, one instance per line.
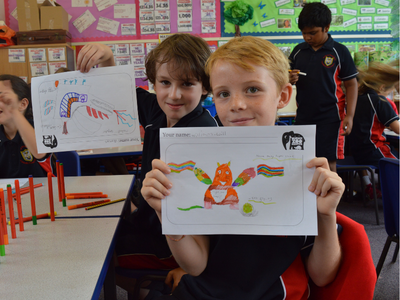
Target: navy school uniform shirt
320	98
373	114
16	161
152	118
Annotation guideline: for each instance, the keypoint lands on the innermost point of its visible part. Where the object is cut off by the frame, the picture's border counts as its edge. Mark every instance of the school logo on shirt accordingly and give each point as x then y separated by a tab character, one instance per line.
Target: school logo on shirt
328	61
26	155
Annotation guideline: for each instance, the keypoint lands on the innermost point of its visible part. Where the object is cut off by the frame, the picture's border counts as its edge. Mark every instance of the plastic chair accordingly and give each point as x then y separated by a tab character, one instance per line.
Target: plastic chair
71	162
389	172
356	277
350	166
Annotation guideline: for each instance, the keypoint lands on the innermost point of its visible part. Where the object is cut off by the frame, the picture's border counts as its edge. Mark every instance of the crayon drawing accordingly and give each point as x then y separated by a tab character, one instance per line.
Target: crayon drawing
232	181
76	111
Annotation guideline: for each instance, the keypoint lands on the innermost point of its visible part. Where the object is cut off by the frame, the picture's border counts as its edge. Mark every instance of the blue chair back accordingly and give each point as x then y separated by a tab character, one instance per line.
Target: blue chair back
71	162
389	173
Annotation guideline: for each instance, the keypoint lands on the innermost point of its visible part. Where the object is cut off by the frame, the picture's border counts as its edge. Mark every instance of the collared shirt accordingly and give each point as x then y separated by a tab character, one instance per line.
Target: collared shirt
16	161
320	97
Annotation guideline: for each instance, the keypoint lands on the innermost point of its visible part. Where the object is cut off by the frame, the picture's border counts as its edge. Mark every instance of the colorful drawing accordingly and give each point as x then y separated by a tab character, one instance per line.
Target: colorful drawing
222	189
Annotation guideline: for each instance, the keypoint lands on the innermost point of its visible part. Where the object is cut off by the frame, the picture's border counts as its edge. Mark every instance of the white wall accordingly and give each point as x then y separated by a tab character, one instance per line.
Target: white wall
2	11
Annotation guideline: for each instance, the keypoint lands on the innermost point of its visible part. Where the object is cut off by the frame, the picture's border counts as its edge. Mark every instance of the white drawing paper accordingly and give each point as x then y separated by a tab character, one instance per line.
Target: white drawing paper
77	111
239	180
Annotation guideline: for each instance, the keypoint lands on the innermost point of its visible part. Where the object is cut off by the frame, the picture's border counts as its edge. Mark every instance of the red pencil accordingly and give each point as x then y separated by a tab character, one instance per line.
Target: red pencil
62	185
33	205
42	216
58	180
87	193
87	204
3	217
19	205
25	190
2	248
87	196
11	209
51	200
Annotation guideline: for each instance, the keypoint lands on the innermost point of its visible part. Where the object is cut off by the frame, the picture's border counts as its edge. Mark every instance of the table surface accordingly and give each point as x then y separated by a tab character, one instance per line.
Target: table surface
57	260
390	133
109	152
115	186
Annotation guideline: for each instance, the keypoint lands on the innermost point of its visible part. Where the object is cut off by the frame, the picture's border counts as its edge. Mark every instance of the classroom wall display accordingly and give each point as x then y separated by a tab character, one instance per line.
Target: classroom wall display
280	17
113	20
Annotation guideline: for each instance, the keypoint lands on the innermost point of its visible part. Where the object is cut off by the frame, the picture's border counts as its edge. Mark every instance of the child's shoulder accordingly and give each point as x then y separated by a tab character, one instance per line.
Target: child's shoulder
202	118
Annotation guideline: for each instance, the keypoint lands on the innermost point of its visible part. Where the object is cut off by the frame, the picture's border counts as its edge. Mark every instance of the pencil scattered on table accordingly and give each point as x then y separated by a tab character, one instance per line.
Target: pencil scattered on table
25	190
87	204
51	199
58	180
41	216
3	216
86	196
19	205
11	210
103	204
62	184
84	193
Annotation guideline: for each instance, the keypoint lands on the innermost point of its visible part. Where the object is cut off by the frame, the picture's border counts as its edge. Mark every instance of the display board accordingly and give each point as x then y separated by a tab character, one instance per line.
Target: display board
280	17
113	20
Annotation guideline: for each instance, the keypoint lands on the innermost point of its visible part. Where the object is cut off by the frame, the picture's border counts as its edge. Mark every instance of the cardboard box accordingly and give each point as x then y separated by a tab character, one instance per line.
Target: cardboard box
48	15
53	16
28	15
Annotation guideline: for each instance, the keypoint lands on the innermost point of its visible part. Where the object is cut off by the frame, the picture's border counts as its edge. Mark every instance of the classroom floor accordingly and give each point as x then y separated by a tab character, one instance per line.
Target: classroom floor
387	286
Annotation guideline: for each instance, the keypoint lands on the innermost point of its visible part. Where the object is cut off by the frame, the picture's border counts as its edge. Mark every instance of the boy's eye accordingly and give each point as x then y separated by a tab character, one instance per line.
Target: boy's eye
252	90
187	84
223	94
164	82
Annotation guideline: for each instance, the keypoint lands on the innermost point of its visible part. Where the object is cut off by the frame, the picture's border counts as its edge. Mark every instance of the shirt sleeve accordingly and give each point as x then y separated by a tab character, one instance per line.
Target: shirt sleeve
385	112
348	69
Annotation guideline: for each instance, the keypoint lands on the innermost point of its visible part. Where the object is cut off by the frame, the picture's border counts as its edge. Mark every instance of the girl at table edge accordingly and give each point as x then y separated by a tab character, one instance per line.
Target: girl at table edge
19	156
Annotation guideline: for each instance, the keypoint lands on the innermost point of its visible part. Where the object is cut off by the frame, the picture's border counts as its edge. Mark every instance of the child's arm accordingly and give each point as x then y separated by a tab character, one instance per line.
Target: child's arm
11	106
324	260
190	252
351	100
94	54
395	126
293	76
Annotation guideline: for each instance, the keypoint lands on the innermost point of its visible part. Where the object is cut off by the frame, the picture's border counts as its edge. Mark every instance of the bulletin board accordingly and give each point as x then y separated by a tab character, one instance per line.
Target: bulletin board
100	20
280	17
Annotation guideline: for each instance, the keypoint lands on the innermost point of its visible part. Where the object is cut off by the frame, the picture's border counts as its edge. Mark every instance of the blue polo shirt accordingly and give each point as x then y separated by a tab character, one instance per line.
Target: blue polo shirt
320	98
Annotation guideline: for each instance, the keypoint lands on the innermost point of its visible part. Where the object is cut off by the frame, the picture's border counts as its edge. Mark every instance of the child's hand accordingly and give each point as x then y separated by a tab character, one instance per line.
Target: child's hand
9	103
94	54
294	76
173	278
156	185
327	185
347	125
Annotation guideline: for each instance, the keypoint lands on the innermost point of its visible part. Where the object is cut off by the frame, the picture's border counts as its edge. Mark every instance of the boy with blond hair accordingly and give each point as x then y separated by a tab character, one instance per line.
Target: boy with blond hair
250	82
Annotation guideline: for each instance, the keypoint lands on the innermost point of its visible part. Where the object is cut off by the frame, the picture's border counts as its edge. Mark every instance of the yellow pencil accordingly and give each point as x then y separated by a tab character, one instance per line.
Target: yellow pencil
298	72
102	204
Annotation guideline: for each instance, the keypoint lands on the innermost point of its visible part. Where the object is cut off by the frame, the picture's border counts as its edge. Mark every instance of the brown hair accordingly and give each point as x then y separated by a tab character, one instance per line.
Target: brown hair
186	52
378	75
247	51
62	70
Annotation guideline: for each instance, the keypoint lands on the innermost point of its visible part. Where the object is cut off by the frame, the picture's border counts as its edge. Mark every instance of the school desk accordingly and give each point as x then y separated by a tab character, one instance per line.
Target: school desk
115	186
64	259
134	150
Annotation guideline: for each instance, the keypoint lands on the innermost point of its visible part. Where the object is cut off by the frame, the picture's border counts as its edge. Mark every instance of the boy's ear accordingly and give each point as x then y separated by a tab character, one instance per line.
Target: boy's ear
23	104
205	92
326	29
285	95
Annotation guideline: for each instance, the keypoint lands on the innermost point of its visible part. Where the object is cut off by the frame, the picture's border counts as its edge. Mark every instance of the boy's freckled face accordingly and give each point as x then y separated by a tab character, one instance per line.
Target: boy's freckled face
244	98
176	97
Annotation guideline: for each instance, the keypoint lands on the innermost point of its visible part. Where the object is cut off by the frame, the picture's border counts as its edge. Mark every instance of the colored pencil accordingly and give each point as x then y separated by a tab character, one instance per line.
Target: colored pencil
41	216
25	190
19	205
33	205
2	248
3	216
58	180
51	200
87	196
86	193
62	183
11	210
103	204
87	204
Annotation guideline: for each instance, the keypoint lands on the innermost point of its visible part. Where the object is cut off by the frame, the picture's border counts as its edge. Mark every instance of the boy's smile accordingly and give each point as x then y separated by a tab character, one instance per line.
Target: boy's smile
245	98
315	36
176	96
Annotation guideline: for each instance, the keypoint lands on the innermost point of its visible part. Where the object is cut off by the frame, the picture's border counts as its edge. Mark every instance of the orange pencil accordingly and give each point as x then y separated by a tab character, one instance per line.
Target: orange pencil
27	188
33	205
51	200
87	204
2	248
11	209
87	196
62	183
19	205
3	217
58	180
87	193
42	216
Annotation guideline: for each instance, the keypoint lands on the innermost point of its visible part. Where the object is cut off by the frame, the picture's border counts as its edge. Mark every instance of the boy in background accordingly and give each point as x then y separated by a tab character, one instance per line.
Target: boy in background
324	64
